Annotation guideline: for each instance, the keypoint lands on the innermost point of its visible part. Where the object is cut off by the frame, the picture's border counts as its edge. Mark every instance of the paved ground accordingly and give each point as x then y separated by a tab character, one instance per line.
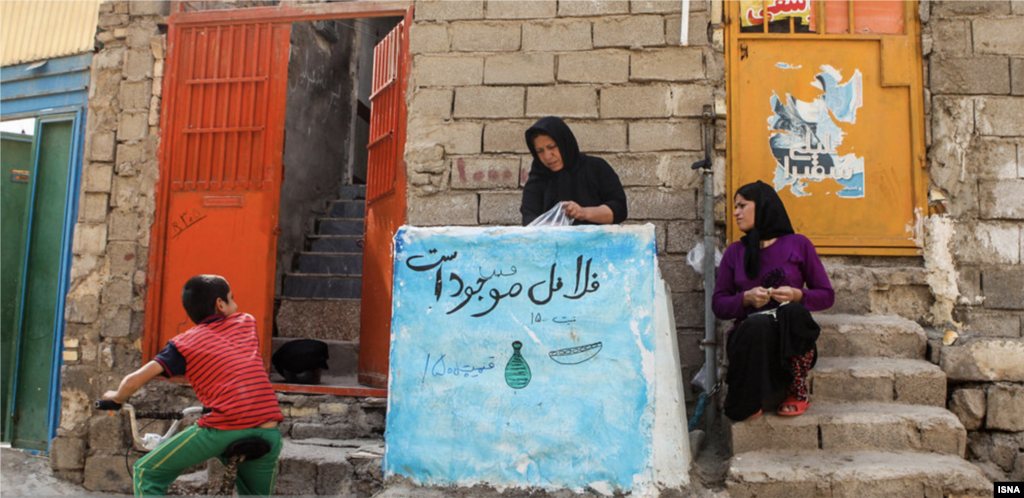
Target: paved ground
23	474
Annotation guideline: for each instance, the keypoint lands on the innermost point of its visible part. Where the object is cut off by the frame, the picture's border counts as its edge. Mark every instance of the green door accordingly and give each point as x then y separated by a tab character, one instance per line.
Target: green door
35	362
17	168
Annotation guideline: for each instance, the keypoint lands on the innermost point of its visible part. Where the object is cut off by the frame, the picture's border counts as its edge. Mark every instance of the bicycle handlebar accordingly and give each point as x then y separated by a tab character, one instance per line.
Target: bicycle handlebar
106	404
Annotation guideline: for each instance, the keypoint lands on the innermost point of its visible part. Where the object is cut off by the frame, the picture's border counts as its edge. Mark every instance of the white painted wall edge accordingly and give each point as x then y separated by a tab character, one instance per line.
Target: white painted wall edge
671	445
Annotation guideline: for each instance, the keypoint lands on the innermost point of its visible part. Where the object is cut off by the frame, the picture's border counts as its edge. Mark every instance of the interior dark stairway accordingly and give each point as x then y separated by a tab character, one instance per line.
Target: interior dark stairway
320	297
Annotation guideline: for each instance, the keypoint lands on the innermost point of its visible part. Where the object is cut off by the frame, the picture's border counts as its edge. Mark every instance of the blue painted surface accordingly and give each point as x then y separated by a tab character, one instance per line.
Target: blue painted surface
459	410
58	84
57	90
70	215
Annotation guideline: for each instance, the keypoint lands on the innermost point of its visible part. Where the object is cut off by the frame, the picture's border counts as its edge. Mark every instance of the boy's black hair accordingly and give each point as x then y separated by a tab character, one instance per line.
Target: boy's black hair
200	294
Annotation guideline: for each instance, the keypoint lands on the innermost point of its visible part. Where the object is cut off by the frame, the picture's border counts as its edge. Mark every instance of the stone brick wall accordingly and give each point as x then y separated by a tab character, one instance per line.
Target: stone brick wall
484	71
974	72
116	208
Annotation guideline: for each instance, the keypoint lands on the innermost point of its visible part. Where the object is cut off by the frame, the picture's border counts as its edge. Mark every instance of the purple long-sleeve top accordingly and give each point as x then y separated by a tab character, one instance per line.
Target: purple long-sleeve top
791	260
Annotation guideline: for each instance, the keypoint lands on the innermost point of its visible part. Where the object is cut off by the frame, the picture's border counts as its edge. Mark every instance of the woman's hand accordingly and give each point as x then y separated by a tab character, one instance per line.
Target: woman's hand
575	211
785	293
601	215
756	297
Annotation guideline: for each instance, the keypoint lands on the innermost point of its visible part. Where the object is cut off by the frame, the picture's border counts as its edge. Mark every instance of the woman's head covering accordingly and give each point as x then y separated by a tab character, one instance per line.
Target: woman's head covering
770	221
564	139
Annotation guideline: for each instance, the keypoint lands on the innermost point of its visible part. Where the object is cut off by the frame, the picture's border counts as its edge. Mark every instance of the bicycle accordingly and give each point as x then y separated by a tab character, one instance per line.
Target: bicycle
237	452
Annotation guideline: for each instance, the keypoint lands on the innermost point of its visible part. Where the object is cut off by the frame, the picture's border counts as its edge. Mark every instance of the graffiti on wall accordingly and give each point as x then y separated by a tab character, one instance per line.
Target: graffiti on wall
806	136
522	356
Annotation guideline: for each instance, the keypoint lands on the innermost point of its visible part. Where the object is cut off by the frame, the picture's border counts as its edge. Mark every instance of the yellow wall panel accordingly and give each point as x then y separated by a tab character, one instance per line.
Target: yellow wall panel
33	30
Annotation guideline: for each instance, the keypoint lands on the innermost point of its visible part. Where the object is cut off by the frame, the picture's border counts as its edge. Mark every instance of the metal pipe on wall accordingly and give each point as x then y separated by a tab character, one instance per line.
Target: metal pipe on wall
709	343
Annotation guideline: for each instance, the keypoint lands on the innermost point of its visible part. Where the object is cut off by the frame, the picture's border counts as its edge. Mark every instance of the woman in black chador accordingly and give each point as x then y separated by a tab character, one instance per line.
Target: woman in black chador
587	187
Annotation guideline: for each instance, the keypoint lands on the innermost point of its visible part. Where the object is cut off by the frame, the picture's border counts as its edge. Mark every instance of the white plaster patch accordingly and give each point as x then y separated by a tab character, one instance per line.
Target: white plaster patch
942	275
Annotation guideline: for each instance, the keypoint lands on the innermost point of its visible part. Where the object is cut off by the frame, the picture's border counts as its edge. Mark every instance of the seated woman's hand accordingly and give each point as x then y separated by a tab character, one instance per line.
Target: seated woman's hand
785	293
756	297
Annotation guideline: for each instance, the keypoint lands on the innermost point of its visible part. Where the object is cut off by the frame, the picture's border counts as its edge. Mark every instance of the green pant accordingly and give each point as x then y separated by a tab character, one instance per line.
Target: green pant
195	445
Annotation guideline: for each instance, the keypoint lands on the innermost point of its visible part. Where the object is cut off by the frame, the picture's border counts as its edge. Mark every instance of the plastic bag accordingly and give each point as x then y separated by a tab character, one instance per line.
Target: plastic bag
695	258
699	381
555	217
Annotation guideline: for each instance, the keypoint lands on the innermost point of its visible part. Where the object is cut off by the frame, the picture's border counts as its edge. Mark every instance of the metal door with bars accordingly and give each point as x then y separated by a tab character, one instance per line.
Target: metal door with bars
220	184
826	103
385	200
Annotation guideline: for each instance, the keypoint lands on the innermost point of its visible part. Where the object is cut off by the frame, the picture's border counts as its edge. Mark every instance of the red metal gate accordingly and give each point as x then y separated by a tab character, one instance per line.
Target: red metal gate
220	170
385	200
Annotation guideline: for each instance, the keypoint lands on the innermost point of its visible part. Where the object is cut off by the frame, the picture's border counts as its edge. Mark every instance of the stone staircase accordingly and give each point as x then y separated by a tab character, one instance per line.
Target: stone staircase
877	425
320	296
334	445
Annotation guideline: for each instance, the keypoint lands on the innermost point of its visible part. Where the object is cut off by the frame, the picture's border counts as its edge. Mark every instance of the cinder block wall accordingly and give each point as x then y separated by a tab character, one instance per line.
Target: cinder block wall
974	72
484	71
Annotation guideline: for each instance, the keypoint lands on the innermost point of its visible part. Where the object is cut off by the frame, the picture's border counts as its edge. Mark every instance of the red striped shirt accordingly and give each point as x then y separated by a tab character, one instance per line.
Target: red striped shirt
224	366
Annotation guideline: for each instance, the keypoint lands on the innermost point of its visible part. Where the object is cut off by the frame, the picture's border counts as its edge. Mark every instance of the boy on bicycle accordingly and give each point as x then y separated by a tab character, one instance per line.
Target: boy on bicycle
221	359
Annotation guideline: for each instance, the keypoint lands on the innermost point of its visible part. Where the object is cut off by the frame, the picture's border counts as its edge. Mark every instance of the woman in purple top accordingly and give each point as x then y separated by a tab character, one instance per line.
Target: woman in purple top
768	283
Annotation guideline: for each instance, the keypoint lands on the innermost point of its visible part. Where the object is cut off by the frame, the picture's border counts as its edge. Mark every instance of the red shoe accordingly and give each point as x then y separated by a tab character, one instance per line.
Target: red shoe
752	417
799	407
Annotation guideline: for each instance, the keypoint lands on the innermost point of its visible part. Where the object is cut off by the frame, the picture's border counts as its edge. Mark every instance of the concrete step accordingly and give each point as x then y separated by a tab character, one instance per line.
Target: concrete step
322	286
352	192
335	243
862	474
331	467
347	209
343	358
334	263
852	427
882	380
325	319
882	336
340	226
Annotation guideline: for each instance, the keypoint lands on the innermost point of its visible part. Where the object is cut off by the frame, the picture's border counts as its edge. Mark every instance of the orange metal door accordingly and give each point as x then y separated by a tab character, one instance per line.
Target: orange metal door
834	121
385	200
220	171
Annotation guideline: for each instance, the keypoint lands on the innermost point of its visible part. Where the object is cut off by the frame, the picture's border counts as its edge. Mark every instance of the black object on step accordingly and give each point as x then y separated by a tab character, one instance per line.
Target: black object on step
301	361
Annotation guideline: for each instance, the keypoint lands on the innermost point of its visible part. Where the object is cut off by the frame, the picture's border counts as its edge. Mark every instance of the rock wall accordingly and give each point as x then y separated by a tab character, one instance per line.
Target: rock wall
105	304
974	72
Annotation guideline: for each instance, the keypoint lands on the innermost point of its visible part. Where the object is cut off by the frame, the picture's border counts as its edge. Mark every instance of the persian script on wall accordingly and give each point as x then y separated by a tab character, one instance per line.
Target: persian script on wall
523	356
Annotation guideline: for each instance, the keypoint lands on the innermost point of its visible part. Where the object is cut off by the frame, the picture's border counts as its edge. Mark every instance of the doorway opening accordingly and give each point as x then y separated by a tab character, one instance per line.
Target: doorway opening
282	141
318	284
38	157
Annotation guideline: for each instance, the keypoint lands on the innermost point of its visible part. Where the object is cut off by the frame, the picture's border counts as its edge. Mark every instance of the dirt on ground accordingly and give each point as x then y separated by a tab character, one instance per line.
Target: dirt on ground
25	474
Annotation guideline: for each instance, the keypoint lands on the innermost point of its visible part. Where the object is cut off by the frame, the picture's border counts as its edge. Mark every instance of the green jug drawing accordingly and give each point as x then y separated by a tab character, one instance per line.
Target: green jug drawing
517	372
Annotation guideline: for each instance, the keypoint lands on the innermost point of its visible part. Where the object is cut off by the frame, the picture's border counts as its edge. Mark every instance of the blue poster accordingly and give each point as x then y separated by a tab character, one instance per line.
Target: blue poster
522	357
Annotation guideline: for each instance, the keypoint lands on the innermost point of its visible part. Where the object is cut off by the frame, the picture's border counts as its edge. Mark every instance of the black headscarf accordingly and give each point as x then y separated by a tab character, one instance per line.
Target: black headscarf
565	140
587	180
770	221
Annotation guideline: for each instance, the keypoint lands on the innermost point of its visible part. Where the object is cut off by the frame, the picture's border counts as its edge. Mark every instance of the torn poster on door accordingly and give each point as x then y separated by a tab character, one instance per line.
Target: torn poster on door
805	136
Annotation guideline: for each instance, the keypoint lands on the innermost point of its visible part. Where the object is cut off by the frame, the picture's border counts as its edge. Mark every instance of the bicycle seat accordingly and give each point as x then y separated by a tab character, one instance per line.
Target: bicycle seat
250	448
